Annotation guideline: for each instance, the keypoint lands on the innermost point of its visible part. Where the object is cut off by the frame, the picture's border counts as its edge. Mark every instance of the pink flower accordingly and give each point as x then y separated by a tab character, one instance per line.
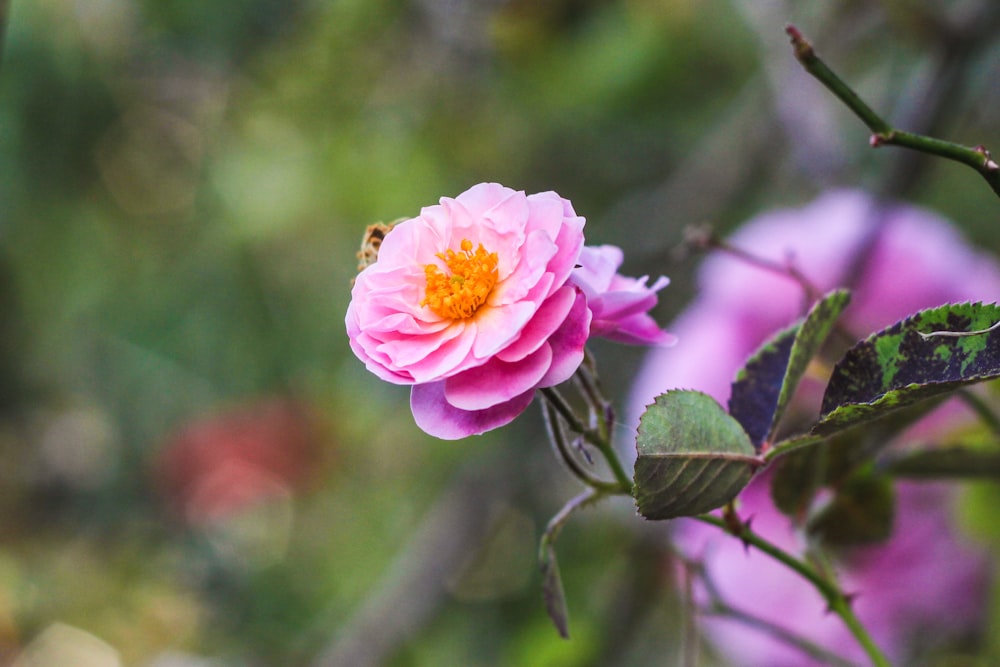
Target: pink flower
470	304
914	260
620	304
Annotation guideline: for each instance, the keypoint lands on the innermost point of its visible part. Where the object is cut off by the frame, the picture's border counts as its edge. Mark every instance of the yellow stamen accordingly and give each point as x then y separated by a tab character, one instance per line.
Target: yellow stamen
473	274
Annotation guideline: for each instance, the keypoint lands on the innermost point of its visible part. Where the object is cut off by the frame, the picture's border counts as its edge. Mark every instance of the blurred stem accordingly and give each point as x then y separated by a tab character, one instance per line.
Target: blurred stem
836	600
884	134
982	410
786	446
4	20
944	463
587	497
718	606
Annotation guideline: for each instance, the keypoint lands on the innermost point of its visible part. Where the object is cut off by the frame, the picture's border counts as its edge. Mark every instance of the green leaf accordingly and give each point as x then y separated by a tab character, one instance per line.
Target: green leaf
764	387
797	477
692	456
898	367
830	461
861	512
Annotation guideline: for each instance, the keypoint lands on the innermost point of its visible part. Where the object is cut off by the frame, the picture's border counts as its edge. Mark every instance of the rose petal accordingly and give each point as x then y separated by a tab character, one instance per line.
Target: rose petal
568	343
434	415
496	381
549	317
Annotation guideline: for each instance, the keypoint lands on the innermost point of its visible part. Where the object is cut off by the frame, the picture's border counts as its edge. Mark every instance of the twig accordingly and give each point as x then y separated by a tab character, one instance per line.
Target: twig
836	600
883	133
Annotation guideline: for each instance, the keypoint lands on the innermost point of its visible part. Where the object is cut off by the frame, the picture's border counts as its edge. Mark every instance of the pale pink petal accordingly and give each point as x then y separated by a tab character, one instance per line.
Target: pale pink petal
408	351
569	244
434	415
532	263
620	304
598	266
549	317
497	328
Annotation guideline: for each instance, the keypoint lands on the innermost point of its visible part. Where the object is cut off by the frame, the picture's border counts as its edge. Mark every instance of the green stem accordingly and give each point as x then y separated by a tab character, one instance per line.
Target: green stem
598	438
835	598
624	482
587	497
558	438
882	132
982	410
564	409
944	463
785	446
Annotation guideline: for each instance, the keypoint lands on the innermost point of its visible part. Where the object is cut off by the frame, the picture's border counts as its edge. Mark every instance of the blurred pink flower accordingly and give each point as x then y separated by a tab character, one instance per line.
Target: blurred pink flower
470	303
620	304
896	259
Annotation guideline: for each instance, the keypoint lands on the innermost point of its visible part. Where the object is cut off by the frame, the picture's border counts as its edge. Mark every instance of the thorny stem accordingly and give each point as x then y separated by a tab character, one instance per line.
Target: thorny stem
884	134
836	600
718	606
708	240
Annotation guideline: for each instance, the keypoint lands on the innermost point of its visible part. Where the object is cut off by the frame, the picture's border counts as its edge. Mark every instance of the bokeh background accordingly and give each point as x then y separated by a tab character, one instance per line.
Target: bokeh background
195	470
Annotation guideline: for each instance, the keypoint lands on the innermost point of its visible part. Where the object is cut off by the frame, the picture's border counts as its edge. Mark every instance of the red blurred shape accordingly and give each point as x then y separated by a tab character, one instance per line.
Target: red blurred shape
227	461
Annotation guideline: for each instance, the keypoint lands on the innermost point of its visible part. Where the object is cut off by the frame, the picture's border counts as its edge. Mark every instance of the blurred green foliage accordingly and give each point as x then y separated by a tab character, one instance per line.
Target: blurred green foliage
184	187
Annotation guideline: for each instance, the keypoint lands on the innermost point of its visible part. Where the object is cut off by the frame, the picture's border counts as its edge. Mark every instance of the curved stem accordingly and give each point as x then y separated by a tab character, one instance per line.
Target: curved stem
982	410
599	438
838	602
556	400
882	132
558	438
624	482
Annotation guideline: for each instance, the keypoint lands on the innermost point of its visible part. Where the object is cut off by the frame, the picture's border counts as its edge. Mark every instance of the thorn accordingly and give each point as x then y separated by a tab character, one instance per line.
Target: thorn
876	140
746	526
803	49
849	598
988	162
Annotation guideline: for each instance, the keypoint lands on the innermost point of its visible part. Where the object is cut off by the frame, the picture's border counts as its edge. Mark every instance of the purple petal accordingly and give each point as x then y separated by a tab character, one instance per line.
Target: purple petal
434	415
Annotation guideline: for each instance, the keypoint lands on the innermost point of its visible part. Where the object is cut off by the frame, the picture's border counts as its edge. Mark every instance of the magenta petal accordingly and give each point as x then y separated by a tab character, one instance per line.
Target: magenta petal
496	381
636	330
568	343
619	305
434	415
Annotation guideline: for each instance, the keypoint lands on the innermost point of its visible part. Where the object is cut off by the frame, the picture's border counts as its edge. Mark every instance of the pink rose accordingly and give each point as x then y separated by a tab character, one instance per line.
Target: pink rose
620	304
470	304
915	260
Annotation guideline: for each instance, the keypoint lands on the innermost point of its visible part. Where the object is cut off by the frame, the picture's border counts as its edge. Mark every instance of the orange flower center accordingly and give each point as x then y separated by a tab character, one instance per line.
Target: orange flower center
459	294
